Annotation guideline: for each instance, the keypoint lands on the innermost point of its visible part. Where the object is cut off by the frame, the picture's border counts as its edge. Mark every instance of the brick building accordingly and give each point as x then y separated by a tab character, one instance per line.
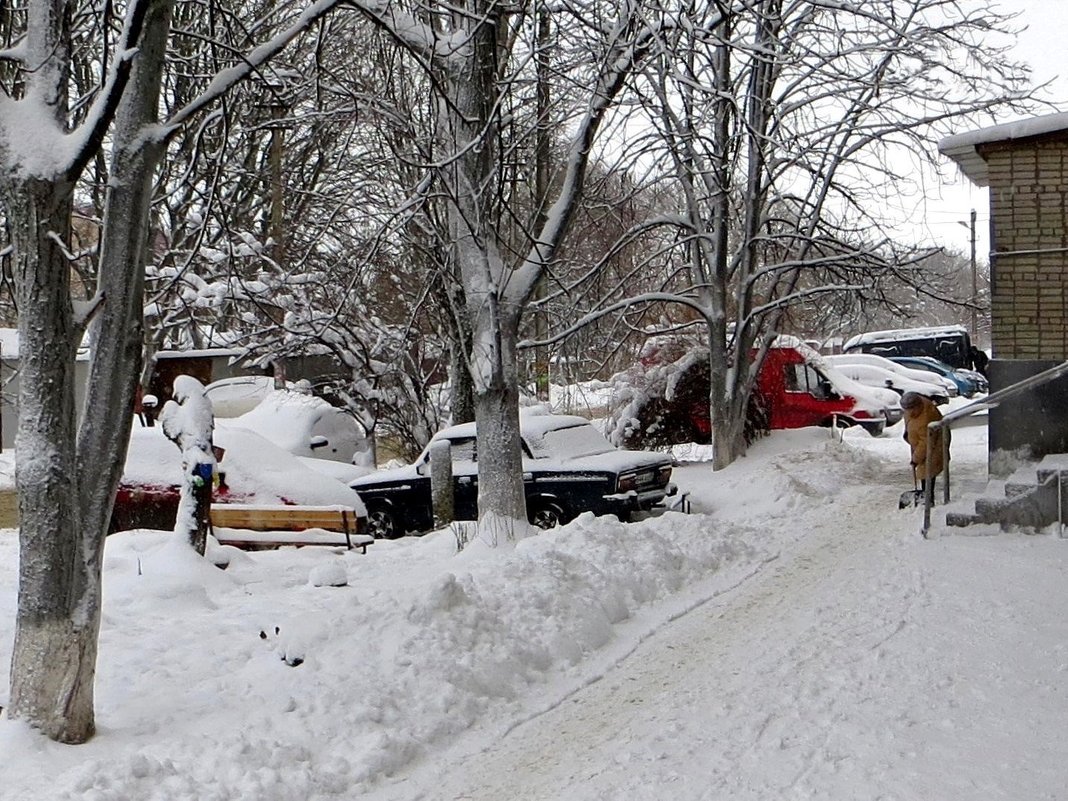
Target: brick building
1025	165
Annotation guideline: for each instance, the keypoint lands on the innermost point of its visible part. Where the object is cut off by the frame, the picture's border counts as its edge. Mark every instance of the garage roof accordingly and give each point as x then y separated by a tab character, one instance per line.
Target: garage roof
964	148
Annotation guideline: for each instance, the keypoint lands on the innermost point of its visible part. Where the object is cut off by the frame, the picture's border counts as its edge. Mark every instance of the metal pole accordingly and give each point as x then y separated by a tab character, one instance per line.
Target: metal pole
945	463
928	486
1060	503
975	284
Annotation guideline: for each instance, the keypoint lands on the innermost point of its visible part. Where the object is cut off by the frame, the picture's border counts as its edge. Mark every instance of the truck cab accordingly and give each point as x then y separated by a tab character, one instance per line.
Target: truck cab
795	392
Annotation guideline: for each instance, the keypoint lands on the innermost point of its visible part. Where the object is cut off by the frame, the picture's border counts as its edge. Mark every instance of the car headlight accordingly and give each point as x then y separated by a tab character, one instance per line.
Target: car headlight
627	482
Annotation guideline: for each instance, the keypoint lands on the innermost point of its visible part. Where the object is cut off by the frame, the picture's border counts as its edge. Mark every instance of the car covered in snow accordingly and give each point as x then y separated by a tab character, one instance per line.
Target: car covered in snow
568	468
925	376
252	470
968	382
871	376
305	425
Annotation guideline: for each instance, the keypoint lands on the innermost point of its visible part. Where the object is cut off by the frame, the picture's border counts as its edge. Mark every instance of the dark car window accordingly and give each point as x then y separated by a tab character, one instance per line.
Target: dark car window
804	378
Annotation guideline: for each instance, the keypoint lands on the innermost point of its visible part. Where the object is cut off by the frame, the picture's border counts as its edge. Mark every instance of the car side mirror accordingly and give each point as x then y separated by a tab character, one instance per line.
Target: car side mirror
317	442
889	384
422	468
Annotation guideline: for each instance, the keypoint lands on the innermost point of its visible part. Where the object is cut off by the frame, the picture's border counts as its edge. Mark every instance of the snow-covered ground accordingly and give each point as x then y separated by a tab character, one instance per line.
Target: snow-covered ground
793	638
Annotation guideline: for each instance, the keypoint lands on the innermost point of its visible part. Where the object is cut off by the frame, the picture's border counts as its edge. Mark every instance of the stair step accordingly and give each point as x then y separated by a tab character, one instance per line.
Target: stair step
1046	474
1014	489
961	519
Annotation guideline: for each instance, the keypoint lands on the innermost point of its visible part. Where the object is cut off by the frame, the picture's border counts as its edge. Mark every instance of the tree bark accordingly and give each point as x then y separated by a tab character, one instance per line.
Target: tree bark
53	659
64	512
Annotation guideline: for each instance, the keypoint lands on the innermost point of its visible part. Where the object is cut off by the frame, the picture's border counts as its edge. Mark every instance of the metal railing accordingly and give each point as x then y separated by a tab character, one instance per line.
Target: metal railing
991	401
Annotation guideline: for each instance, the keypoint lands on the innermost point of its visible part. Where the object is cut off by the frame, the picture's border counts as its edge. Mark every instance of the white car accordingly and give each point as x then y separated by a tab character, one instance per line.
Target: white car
877	377
872	359
306	426
886	400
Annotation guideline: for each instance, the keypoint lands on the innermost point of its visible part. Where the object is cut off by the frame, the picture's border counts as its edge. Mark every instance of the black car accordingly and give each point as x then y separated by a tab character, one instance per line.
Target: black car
568	468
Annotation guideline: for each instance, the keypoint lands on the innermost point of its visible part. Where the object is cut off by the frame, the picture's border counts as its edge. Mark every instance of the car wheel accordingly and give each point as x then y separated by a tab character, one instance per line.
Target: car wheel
545	515
876	429
382	523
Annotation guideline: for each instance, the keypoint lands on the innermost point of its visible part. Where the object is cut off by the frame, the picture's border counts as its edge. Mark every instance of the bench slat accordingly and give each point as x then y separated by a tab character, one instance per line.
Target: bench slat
317	521
297	519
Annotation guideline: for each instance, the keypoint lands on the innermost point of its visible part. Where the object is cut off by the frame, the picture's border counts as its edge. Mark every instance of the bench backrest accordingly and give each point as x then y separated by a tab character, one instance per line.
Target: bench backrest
293	518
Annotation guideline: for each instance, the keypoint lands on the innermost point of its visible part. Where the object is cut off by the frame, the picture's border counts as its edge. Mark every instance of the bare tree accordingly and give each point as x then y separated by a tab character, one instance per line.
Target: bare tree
476	53
66	479
783	128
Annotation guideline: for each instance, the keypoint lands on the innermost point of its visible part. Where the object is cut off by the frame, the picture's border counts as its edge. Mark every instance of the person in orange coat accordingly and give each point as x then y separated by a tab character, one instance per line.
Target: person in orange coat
919	411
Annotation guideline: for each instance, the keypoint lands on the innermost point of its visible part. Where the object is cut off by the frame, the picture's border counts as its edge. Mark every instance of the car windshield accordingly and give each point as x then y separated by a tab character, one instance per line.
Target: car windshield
568	443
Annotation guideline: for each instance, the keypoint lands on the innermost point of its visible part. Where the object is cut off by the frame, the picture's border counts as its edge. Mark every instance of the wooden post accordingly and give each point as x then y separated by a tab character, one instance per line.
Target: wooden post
441	486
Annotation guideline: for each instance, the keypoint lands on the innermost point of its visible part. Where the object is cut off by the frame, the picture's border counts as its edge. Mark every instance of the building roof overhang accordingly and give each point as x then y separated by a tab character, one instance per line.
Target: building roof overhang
966	149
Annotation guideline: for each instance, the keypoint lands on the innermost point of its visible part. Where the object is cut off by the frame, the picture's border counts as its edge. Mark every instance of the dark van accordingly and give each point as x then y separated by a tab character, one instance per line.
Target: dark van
949	344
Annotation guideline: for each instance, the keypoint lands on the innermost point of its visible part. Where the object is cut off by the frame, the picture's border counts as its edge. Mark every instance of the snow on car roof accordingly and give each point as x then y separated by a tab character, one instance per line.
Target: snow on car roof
255	468
897	334
533	422
288	416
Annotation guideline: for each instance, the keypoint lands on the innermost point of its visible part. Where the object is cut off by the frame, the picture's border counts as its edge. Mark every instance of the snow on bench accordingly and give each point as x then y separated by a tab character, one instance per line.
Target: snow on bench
264	526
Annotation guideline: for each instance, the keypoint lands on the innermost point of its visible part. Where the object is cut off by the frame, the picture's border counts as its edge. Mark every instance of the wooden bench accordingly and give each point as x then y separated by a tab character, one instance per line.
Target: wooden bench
257	527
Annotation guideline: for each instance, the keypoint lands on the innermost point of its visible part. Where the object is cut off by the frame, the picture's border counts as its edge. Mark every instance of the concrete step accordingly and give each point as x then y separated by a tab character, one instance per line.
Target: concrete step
1014	489
961	519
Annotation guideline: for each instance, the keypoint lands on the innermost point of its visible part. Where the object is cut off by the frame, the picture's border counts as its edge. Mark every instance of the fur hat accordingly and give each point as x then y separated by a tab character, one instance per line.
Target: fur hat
911	400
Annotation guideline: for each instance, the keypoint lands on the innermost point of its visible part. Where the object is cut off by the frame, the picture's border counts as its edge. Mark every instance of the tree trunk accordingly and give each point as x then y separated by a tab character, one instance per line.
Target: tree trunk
117	332
54	655
469	117
66	489
502	514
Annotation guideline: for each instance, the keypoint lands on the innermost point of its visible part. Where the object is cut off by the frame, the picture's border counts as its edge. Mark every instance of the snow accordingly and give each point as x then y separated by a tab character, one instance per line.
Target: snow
896	334
964	147
795	637
254	468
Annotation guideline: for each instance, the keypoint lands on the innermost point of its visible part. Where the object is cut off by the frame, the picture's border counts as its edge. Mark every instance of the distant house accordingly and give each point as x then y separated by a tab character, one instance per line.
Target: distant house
1025	164
206	365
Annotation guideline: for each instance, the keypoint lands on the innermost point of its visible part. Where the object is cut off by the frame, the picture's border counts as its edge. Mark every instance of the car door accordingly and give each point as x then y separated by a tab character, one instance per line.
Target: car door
465	478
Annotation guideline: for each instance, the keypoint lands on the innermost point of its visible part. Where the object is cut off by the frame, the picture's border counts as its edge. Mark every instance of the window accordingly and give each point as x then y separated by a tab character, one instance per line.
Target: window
805	378
463	450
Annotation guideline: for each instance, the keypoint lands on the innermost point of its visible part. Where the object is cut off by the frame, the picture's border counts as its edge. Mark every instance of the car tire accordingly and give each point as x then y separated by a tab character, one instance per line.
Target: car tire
545	514
382	522
876	429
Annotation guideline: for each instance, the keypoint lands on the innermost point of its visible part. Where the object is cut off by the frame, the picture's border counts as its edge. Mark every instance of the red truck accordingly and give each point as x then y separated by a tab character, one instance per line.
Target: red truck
794	389
799	390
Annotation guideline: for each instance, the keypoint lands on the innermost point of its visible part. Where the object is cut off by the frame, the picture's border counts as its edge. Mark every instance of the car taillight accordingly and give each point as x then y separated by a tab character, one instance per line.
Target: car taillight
862	414
627	482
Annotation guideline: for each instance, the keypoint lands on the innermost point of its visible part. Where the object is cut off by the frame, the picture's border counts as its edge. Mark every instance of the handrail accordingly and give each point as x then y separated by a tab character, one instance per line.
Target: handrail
991	401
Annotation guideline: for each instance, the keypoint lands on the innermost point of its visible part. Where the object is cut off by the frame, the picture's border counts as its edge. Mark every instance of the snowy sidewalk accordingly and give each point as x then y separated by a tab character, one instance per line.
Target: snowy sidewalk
865	663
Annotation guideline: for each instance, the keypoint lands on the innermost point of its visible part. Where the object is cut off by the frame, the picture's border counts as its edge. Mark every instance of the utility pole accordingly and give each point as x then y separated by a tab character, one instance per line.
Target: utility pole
970	225
542	154
975	283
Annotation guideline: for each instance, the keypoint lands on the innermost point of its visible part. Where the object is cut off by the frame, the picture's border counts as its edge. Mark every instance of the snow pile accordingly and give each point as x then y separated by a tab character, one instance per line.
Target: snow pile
422	645
827	625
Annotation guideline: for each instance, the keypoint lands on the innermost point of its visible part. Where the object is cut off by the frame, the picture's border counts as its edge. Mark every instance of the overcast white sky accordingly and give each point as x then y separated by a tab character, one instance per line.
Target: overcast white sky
1042	45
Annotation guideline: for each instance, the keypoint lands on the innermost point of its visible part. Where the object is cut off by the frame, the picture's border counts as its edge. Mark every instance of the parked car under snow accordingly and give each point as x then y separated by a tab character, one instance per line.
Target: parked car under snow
252	469
568	468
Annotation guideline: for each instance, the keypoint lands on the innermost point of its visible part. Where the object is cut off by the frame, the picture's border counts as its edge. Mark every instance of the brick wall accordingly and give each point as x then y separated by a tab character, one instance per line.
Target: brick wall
1029	211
